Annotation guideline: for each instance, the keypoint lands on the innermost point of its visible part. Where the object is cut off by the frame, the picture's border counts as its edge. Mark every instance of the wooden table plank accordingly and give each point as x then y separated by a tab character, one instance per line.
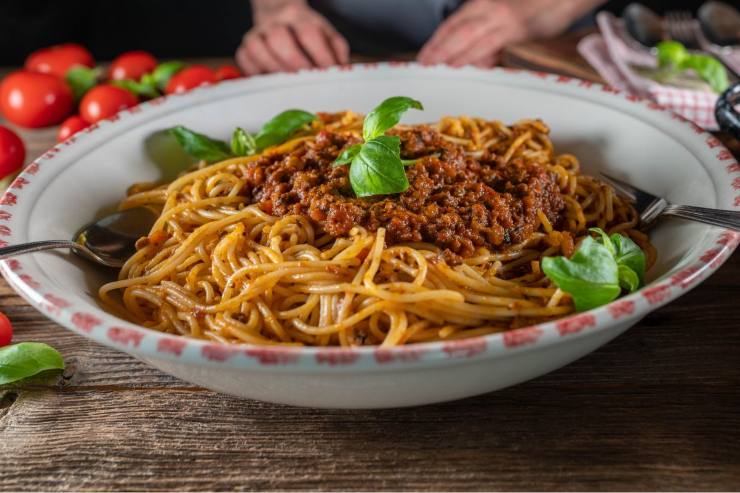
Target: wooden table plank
655	409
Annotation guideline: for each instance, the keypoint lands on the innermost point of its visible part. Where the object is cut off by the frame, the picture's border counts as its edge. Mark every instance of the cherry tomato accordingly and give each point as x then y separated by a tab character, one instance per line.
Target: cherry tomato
30	99
6	330
105	101
58	59
227	72
190	77
132	65
12	152
71	126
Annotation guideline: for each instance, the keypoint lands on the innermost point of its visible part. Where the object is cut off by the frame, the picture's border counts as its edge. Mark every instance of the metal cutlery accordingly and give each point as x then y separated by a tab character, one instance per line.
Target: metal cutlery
720	24
109	241
681	26
650	207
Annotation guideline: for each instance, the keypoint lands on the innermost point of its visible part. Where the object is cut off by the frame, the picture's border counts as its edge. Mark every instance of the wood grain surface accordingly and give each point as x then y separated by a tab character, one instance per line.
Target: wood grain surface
656	409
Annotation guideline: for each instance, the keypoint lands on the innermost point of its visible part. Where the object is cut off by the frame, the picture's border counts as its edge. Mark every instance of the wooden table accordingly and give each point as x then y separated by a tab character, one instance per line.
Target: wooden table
658	408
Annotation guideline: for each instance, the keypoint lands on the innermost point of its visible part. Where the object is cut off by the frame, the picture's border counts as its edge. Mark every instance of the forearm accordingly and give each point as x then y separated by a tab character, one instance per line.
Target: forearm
265	8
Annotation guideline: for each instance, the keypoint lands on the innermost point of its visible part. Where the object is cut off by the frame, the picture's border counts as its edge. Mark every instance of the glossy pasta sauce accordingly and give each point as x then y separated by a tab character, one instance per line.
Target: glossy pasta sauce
455	201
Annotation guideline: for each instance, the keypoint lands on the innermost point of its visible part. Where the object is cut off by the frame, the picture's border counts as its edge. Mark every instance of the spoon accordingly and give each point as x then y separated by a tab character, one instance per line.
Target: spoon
109	241
644	25
720	23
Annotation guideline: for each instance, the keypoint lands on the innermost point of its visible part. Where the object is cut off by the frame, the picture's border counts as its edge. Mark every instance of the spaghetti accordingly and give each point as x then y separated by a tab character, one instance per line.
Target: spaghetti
226	264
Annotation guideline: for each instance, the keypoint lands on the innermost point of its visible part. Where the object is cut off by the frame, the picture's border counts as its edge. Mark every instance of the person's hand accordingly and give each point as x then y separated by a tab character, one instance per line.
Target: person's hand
288	35
476	33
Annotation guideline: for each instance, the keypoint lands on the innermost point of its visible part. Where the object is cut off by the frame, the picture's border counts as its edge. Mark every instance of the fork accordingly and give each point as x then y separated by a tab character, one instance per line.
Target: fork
681	27
650	207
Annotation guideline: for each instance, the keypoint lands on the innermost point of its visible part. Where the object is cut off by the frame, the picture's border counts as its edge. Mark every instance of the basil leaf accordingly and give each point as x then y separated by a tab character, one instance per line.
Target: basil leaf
82	79
281	127
671	54
674	56
630	255
628	279
139	89
26	359
347	155
590	276
242	143
709	69
605	240
201	146
386	115
377	168
164	72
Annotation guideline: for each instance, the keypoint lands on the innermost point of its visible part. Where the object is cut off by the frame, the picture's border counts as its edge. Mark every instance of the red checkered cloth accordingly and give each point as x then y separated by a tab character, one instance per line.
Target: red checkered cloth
613	55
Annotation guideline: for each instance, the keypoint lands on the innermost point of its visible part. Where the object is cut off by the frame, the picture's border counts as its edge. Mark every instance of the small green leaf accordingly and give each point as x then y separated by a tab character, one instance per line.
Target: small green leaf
82	79
627	253
242	143
377	168
164	72
628	279
26	359
140	89
347	155
590	276
201	146
605	240
671	54
281	127
674	57
709	69
386	115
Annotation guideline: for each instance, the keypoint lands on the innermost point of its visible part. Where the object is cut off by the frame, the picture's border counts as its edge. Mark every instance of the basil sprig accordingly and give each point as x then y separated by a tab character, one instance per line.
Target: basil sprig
161	75
25	359
81	79
599	270
276	131
376	167
673	57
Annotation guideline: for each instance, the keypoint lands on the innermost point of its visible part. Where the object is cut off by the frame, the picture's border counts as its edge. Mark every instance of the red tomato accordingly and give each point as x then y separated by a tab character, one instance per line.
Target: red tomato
6	330
58	59
35	100
132	65
12	152
227	72
190	77
105	101
71	126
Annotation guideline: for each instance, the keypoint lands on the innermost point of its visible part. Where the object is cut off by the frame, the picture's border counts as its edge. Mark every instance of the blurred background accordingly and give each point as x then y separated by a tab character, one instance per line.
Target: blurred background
194	28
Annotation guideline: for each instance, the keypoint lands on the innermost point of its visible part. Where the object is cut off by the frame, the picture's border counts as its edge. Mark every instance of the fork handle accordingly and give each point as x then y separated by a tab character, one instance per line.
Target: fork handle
715	217
35	246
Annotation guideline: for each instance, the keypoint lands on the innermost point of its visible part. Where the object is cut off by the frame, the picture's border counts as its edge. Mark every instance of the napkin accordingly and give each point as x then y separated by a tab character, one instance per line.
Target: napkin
626	65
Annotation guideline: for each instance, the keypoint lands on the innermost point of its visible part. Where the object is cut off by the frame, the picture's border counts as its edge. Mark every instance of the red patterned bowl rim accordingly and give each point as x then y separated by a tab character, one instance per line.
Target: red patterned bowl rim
86	319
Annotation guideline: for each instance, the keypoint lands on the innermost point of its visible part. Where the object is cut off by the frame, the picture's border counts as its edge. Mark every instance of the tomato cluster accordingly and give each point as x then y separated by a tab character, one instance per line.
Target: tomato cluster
59	79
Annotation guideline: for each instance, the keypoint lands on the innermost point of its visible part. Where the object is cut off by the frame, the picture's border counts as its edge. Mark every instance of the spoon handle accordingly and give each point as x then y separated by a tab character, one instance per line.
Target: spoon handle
35	246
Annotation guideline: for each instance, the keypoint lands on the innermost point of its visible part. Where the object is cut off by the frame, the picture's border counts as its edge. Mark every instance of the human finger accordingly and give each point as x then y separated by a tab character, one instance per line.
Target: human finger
486	47
283	45
245	62
257	50
338	43
465	37
315	43
442	32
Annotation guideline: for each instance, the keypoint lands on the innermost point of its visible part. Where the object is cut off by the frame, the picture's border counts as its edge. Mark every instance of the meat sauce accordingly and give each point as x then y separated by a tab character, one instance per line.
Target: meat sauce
454	201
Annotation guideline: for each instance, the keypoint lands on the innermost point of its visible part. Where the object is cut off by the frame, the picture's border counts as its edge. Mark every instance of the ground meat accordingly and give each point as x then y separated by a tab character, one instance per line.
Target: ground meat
455	201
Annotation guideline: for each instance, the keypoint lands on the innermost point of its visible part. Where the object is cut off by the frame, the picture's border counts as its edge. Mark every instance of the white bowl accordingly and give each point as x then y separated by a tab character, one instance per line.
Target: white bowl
606	129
